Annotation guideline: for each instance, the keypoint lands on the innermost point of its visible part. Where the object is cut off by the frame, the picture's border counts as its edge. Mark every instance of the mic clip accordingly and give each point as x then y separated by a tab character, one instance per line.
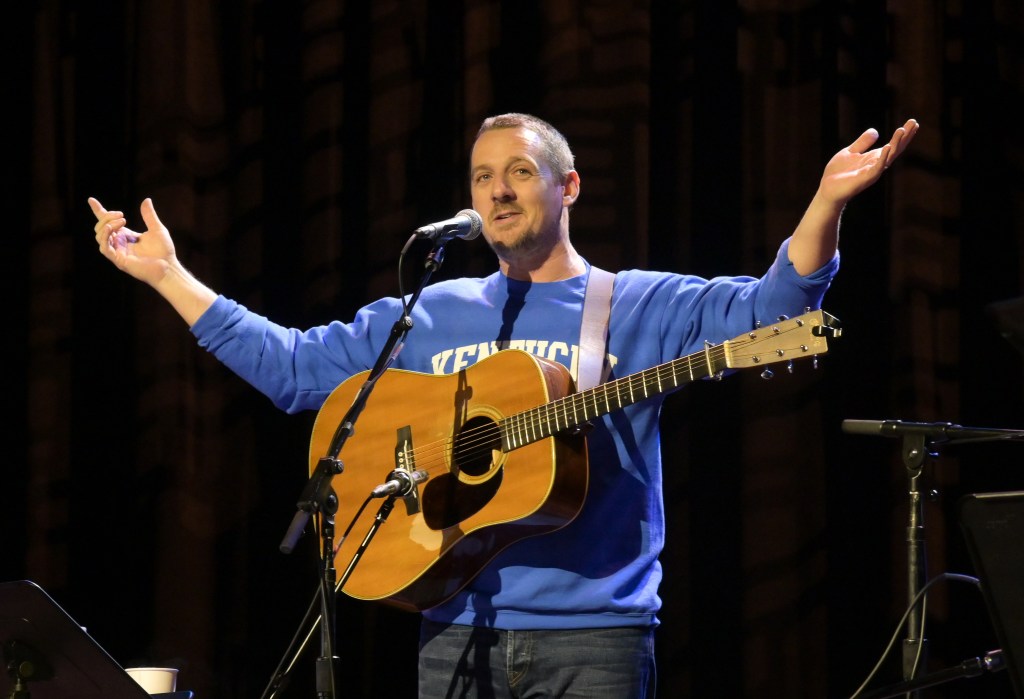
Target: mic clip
400	483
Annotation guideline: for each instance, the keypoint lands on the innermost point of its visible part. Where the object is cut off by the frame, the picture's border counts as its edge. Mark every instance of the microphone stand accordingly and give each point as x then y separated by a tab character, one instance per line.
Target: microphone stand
915	649
297	647
325	664
319	497
918	440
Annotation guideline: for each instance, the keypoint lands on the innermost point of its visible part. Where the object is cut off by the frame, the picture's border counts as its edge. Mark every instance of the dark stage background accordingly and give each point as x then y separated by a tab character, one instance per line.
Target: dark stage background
292	147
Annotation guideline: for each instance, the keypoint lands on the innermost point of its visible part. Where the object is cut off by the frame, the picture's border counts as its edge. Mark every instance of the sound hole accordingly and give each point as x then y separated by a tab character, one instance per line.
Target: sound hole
447	500
474	447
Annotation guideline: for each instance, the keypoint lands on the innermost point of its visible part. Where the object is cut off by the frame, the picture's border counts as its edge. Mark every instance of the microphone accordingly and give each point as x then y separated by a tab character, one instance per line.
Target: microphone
400	482
466	224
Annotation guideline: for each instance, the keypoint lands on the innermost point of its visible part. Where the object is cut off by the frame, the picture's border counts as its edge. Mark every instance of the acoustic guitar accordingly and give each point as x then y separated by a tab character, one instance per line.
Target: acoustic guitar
498	453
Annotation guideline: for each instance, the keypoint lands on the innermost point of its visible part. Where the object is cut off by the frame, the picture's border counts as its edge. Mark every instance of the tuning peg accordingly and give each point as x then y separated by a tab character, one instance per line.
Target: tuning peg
783	317
789	366
767	374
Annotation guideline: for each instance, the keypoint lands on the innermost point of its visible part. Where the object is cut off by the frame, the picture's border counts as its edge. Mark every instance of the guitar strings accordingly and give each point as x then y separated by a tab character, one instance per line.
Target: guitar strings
526	427
563	413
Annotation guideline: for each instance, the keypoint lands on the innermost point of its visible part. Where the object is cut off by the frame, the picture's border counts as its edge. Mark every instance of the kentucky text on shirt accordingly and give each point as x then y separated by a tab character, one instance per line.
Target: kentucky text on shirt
453	360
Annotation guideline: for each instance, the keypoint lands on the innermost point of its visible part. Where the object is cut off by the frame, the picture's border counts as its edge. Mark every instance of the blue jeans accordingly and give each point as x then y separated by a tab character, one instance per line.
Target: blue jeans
468	661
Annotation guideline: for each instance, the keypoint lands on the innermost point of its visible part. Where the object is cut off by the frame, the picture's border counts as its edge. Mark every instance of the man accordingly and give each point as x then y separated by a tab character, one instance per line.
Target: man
571	612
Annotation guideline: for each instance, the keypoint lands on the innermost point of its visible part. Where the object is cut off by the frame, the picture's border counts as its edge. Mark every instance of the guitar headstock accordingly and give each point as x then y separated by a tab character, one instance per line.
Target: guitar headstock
786	340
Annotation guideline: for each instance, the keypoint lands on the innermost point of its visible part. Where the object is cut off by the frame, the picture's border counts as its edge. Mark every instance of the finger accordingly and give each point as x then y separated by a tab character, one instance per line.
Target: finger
885	157
109	221
103	216
864	141
895	146
910	130
96	207
105	231
901	138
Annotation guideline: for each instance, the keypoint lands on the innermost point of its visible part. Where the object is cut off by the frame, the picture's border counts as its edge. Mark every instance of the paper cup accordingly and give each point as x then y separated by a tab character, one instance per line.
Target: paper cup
155	680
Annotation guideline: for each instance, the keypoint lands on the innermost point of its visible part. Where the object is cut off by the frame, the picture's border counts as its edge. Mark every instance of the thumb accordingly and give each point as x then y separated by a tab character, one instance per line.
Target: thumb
149	214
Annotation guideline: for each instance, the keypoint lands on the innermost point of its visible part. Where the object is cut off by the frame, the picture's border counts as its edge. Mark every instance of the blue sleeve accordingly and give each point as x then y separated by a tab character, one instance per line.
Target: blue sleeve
783	291
733	306
295	369
729	307
686	311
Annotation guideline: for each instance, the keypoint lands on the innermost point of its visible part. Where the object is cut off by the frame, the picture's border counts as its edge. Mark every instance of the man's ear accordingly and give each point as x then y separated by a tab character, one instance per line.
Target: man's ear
572	188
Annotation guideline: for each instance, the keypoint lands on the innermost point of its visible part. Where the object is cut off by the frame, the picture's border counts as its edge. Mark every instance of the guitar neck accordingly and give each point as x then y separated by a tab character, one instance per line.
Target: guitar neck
782	341
578	408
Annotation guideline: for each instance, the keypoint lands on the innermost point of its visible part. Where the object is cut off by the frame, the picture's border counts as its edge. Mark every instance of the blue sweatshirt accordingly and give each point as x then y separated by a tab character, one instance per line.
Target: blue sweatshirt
602	568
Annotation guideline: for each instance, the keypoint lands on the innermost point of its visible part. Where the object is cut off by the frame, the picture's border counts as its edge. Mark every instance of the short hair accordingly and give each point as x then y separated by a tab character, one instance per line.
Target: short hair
554	146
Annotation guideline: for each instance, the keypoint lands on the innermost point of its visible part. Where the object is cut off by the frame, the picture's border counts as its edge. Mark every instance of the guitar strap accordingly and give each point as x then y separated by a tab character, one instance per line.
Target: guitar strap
597	304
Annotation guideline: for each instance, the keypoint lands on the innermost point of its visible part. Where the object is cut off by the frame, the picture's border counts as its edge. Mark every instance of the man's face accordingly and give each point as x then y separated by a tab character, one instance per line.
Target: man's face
515	192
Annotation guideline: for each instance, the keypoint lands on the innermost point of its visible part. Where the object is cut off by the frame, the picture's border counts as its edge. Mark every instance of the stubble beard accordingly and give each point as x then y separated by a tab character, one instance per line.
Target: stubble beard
522	249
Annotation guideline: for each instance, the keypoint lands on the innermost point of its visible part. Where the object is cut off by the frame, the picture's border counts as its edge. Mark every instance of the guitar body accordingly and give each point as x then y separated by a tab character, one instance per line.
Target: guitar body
478	498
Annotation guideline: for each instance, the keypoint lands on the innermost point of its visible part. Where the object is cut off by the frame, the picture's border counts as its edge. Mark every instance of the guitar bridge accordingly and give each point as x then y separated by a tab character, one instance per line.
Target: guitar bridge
405	461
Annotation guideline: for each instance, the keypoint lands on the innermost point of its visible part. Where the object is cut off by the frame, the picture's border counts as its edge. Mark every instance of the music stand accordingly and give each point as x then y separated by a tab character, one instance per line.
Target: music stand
61	658
993	527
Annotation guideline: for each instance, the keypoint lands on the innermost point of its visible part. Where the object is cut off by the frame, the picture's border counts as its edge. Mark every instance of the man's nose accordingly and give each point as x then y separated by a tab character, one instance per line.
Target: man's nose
501	191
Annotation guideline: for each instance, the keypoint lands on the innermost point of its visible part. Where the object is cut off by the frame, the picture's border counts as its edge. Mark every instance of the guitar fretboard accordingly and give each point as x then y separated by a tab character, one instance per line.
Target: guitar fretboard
803	336
577	408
